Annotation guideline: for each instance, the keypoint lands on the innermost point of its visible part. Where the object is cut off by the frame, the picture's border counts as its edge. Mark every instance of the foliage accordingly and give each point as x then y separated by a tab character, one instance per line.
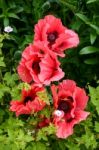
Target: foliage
81	64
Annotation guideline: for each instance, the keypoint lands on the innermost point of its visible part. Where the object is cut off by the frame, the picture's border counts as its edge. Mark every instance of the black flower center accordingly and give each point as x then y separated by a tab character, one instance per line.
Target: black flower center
64	106
36	67
27	98
52	37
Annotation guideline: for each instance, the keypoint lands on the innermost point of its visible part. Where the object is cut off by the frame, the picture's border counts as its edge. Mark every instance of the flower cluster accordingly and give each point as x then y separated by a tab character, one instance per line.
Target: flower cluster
39	67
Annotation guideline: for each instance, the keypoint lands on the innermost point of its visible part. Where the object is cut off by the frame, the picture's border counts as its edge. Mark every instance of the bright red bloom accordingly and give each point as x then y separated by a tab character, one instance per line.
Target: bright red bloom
53	37
42	69
29	103
69	103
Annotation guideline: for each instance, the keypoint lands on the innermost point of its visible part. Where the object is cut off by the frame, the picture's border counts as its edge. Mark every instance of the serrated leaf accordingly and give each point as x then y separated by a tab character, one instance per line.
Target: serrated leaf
24	85
43	95
40	146
10	78
97	127
94	96
72	146
88	139
46	112
44	132
3	90
16	93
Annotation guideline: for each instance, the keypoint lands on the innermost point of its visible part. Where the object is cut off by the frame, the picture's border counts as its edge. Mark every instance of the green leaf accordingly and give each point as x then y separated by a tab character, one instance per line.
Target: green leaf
91	61
12	15
94	97
15	135
1	115
43	95
46	112
36	146
1	38
16	90
10	78
91	1
16	93
96	28
88	139
17	55
44	132
18	10
40	146
82	17
6	21
68	5
97	127
93	37
72	146
88	50
3	90
87	21
2	64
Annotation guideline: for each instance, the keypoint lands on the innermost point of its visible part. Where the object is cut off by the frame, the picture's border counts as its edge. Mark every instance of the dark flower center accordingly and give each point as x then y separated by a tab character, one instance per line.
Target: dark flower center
69	120
70	98
52	37
36	67
27	98
64	105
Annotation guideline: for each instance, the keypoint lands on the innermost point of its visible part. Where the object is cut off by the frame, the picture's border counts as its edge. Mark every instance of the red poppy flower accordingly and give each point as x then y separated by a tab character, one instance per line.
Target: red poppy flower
29	103
69	103
53	37
42	69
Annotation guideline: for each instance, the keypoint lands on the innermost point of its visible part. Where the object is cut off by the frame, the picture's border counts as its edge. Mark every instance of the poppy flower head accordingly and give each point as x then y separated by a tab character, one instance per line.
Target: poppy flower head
29	103
70	101
53	37
40	68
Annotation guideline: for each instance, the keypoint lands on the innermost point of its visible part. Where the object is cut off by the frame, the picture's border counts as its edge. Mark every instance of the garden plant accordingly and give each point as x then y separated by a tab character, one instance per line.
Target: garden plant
49	76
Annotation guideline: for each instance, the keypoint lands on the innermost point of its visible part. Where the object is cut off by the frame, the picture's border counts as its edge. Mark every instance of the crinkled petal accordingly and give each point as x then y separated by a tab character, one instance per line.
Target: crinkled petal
81	98
64	130
50	70
24	73
67	85
80	115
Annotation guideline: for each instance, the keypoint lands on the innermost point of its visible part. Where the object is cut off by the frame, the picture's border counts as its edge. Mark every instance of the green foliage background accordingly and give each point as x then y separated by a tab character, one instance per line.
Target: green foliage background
81	65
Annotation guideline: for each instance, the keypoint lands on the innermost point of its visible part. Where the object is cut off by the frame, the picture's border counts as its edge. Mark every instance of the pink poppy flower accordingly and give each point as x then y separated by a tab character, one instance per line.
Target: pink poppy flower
53	37
40	68
29	103
69	103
